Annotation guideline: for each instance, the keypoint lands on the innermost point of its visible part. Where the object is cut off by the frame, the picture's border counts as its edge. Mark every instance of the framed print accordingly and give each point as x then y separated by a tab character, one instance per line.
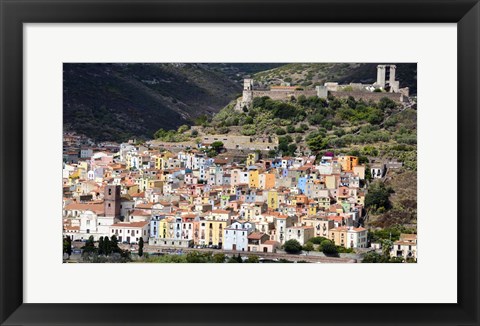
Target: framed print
275	161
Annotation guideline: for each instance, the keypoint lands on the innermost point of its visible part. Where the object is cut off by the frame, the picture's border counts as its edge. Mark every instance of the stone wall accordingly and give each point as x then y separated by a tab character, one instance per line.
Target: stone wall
284	95
366	96
242	142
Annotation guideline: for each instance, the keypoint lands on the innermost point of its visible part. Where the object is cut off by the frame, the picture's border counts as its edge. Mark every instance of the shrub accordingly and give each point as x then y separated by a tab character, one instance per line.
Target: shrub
329	248
292	246
280	131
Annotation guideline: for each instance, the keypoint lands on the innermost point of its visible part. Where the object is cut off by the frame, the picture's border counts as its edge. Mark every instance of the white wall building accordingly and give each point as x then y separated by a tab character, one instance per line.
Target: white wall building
236	236
130	232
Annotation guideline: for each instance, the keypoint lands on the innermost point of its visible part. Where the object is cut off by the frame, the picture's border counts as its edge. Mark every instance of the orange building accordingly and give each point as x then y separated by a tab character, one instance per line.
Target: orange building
348	162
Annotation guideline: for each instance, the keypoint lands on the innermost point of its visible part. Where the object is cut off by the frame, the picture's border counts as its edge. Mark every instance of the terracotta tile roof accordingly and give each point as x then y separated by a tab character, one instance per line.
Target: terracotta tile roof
130	224
271	242
139	213
405	236
220	211
98	208
145	206
71	228
255	235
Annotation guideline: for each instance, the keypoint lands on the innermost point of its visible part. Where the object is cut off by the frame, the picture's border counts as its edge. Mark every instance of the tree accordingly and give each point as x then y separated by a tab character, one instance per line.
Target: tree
160	133
101	246
107	246
89	246
308	247
292	148
373	257
232	260
140	247
317	143
183	128
67	245
252	259
114	244
290	129
239	259
196	257
219	258
378	196
292	246
217	146
329	248
317	240
368	173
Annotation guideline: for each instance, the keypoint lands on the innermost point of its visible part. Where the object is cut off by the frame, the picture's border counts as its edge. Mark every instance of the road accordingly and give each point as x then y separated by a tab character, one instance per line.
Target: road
265	255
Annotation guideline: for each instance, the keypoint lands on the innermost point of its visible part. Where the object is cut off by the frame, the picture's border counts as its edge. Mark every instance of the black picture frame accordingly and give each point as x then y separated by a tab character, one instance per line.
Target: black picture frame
14	13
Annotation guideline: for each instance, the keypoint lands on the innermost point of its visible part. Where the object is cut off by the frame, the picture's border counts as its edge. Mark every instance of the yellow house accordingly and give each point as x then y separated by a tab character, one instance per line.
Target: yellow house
324	202
331	181
83	165
210	232
348	162
132	189
128	158
252	158
339	236
74	176
165	228
253	179
147	182
312	208
161	160
272	199
155	183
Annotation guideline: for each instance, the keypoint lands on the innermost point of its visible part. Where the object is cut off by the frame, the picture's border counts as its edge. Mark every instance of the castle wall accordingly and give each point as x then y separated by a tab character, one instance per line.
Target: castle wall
367	96
284	95
243	142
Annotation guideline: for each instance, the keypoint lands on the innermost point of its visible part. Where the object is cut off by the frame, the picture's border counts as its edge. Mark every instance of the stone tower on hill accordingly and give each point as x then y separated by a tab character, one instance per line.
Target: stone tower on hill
112	201
386	78
247	96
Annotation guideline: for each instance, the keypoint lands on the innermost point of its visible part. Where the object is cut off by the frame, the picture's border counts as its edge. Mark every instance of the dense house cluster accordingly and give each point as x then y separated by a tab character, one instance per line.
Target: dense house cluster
187	199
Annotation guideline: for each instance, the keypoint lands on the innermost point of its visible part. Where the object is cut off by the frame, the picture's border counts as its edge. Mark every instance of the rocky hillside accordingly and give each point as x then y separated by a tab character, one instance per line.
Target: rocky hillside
120	101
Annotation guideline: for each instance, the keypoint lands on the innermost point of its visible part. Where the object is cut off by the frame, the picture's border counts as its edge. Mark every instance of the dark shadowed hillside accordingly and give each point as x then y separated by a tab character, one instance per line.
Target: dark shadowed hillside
117	101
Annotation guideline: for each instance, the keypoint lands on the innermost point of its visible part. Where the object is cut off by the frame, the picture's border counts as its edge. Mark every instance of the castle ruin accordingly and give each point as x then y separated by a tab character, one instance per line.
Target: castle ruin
385	86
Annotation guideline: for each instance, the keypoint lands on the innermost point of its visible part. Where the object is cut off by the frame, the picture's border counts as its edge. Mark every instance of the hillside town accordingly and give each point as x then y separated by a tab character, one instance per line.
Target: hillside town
181	199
